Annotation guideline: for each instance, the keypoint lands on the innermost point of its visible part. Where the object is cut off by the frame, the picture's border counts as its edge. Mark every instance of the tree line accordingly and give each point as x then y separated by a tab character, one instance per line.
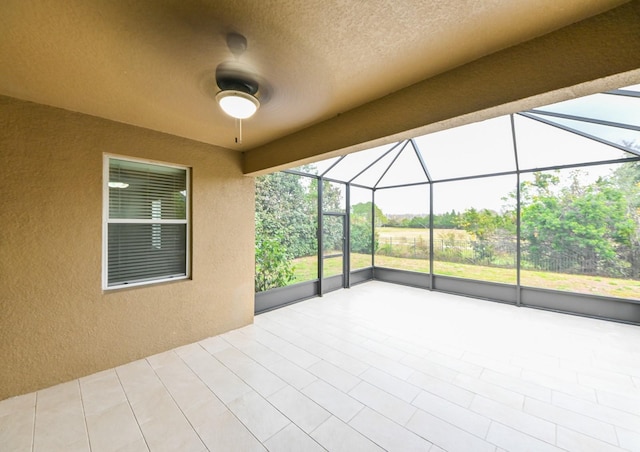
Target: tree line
447	220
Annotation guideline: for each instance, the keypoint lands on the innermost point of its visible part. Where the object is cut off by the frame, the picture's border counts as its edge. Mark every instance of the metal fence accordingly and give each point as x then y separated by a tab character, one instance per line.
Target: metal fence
494	253
503	253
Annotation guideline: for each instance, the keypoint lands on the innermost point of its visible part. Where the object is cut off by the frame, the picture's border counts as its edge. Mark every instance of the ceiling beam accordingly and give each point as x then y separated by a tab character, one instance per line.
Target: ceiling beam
599	47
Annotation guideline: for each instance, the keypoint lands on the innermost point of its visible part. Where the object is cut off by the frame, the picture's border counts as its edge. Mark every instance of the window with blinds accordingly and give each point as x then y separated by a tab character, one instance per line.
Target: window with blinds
146	226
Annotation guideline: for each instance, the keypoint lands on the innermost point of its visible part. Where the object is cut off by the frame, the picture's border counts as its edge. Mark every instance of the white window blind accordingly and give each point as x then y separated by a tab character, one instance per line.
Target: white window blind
147	222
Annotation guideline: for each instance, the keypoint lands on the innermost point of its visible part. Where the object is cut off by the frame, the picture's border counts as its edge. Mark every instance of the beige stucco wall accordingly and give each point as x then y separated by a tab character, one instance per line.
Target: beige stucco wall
56	322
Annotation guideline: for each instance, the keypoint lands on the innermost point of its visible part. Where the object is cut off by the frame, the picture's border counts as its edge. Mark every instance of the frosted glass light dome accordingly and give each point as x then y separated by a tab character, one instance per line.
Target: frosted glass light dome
237	104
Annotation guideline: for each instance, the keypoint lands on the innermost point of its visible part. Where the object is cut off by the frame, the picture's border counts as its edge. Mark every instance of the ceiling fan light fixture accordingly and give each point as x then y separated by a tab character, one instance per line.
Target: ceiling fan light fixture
237	104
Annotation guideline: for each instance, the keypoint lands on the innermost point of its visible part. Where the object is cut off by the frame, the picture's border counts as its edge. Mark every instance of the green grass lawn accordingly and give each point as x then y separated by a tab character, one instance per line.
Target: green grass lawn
305	269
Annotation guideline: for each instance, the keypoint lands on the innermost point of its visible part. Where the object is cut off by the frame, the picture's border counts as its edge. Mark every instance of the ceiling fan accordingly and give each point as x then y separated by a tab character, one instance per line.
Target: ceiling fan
238	88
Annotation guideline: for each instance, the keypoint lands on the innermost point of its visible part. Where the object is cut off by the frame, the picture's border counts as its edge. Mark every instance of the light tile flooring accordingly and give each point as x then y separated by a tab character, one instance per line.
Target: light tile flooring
375	367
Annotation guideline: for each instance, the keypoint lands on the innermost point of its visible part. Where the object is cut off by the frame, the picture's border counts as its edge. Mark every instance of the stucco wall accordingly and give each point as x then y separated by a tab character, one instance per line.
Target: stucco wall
56	322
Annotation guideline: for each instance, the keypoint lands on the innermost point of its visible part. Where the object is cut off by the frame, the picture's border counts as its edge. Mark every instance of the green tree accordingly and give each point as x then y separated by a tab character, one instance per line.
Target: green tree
273	266
626	178
576	228
361	226
363	210
285	208
332	201
447	220
285	227
419	222
484	226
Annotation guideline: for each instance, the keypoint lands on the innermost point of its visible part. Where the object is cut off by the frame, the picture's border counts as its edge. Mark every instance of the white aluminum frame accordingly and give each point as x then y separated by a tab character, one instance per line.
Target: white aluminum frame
106	221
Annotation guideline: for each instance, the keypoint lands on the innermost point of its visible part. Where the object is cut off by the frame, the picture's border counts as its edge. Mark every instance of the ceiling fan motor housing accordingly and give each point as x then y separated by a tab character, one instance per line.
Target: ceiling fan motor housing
237	83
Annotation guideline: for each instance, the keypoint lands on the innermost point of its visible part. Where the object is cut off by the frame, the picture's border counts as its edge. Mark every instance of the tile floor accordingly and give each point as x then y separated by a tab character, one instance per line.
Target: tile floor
375	367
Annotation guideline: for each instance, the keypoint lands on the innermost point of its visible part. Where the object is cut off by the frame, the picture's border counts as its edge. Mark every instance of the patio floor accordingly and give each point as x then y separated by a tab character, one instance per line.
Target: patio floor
375	367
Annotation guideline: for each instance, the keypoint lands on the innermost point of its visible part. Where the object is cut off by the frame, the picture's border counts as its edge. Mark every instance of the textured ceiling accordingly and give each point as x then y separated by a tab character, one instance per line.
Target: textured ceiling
151	63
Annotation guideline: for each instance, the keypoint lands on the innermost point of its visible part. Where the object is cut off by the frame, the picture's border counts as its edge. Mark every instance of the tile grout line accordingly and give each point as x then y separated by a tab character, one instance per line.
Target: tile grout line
84	415
288	343
317	378
266	399
234	373
284	340
592	417
515	391
213	392
303	394
358	412
486	435
175	402
615	431
332	349
471	433
126	396
558	425
321	424
336	324
330	333
35	410
365	436
526	434
574	384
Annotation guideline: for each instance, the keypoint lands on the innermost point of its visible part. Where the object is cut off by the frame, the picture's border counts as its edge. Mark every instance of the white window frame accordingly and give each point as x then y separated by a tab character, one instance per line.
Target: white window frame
106	221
